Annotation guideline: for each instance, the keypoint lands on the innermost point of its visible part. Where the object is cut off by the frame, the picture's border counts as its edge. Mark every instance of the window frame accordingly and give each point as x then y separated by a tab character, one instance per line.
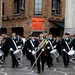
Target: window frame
2	8
56	7
38	7
17	7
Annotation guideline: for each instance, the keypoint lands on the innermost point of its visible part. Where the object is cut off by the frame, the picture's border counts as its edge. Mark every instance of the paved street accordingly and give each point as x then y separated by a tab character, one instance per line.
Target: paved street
57	69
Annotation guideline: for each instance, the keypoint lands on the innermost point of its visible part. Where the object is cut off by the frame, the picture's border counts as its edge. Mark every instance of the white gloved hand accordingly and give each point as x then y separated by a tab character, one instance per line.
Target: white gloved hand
54	46
0	46
48	47
42	49
11	49
33	52
71	48
19	47
64	50
29	50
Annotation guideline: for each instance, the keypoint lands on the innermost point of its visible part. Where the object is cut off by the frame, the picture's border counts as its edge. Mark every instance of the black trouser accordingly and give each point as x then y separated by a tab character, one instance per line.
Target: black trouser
32	59
14	60
65	58
42	60
49	59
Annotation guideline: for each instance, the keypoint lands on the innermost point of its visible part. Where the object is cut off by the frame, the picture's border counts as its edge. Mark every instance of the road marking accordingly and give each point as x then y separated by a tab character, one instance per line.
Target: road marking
72	60
55	70
1	69
31	71
24	68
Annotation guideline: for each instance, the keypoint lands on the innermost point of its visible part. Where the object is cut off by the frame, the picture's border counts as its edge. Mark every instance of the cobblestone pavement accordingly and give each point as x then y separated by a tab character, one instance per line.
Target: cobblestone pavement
57	69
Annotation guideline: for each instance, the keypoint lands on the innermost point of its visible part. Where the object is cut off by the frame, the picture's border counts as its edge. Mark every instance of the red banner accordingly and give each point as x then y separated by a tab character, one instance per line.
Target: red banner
37	23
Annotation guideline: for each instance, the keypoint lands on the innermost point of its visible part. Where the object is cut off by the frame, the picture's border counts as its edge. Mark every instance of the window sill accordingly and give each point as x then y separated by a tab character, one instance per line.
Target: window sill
18	14
37	15
56	14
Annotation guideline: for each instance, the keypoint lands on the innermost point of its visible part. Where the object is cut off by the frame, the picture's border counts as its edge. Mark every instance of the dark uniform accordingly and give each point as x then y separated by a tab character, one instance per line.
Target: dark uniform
5	44
5	47
65	50
26	50
12	49
48	55
19	42
41	58
32	43
72	44
58	47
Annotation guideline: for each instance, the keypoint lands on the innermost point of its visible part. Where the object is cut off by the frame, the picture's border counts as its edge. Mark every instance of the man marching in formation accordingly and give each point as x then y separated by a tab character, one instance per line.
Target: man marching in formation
65	46
40	51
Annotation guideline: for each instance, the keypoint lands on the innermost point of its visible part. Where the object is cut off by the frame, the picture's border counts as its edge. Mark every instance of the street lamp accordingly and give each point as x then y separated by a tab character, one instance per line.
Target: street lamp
27	21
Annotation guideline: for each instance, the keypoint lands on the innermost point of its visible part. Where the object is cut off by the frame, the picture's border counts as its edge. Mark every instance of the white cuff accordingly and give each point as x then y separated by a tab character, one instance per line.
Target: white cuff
29	50
33	52
54	46
11	49
64	50
19	47
48	47
42	49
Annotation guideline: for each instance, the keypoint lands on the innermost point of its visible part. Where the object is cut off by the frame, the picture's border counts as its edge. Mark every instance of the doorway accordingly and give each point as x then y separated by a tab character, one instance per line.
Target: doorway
18	30
55	31
4	30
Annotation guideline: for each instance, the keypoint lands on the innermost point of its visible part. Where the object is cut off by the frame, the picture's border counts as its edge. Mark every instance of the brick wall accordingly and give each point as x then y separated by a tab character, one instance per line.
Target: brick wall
10	20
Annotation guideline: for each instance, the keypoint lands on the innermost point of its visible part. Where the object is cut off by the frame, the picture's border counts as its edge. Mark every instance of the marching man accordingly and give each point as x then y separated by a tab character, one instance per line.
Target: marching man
32	43
41	59
65	46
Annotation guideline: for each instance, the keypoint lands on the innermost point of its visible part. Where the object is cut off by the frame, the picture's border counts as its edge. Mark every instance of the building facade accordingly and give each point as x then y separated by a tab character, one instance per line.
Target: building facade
70	17
33	16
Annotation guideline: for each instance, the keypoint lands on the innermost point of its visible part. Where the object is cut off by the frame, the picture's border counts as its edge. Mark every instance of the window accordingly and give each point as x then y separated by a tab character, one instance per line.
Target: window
55	6
22	5
18	6
2	8
38	7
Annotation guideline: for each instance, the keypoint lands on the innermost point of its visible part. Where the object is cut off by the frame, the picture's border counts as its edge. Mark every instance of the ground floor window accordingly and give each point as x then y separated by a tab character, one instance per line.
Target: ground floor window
4	30
18	30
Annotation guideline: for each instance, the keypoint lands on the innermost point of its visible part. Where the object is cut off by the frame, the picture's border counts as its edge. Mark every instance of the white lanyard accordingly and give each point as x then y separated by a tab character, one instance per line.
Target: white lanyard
51	44
15	44
32	44
67	45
